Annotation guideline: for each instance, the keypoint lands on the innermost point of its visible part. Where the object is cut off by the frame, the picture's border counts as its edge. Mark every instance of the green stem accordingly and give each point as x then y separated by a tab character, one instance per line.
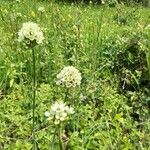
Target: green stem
61	147
66	94
33	100
52	143
148	61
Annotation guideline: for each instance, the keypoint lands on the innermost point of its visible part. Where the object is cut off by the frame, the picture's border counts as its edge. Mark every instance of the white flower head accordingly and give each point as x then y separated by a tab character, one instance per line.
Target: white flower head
59	112
41	9
31	32
69	77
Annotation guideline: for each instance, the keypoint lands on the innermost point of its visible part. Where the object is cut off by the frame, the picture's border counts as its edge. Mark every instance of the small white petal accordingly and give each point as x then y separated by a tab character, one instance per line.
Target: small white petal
47	113
62	118
56	122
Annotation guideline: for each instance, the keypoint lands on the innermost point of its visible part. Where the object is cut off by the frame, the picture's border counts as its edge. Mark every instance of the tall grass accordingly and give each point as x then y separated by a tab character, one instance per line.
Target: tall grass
77	35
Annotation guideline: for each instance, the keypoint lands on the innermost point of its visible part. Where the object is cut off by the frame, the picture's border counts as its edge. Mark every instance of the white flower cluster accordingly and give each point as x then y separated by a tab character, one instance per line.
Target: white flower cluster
32	32
41	9
59	112
69	77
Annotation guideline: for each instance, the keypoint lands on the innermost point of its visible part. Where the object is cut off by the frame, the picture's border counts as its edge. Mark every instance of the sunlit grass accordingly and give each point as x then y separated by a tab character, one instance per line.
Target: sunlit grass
88	37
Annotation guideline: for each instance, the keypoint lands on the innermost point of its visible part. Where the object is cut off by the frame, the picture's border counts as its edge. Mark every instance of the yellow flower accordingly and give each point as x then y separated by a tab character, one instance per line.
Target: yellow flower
33	14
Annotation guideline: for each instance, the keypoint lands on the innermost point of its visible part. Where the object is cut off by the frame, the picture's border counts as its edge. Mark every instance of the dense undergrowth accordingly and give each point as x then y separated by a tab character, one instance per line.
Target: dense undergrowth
111	49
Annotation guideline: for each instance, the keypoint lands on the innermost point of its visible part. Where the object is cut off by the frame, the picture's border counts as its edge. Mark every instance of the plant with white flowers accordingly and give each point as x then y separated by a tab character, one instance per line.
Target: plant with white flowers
59	112
30	33
69	77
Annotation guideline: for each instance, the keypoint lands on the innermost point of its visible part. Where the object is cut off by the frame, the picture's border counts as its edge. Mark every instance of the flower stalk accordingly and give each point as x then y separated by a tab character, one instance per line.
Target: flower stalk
61	145
32	35
58	114
34	97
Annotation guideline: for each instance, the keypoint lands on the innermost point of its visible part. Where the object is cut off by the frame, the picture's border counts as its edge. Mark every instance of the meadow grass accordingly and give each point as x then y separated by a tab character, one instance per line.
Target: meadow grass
82	36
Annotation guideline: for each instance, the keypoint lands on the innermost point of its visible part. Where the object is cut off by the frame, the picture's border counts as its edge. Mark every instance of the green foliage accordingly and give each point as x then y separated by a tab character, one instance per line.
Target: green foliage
111	48
124	16
111	3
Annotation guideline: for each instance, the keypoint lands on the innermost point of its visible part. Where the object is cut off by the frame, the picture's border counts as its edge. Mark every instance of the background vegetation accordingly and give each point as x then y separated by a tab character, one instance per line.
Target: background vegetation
111	48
